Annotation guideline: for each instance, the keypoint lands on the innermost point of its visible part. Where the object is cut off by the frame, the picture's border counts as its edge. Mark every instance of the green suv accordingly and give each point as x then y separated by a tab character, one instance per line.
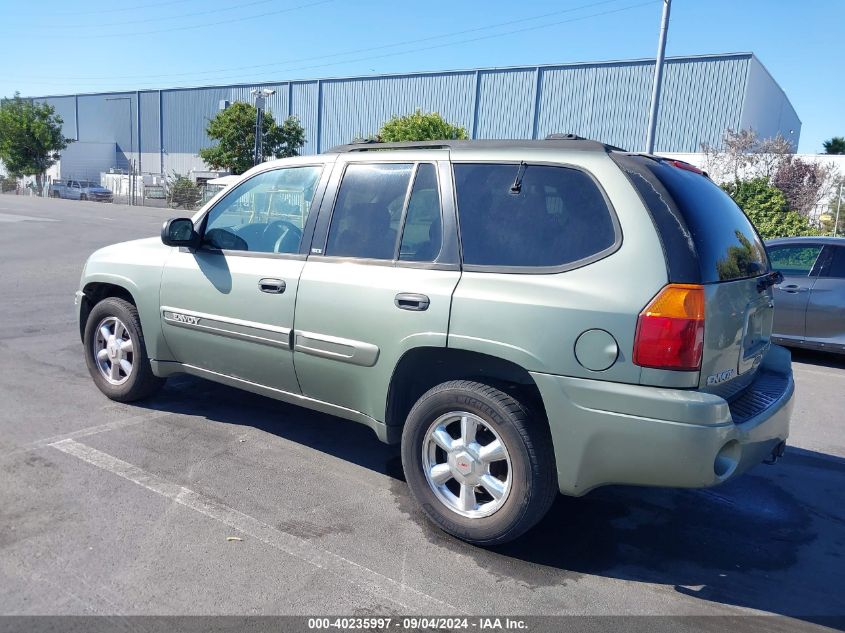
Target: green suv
525	317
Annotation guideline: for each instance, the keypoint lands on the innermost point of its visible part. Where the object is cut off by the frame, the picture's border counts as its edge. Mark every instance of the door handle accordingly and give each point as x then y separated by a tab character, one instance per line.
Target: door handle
411	301
272	286
793	288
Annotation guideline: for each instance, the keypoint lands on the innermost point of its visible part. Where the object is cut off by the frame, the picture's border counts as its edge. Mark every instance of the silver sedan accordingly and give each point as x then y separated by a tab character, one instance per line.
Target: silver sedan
810	302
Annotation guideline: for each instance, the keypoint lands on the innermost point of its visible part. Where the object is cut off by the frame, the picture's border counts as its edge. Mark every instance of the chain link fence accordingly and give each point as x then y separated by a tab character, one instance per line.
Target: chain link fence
147	189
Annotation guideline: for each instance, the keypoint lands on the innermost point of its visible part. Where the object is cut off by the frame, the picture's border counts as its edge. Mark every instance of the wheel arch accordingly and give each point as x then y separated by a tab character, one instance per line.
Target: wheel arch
95	291
422	368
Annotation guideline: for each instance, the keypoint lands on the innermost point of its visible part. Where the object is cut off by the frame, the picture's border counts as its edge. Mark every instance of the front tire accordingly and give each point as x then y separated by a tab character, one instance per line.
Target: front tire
116	354
478	463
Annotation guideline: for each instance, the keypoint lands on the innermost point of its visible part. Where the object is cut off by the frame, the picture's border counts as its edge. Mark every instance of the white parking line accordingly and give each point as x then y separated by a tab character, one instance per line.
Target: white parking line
92	430
359	575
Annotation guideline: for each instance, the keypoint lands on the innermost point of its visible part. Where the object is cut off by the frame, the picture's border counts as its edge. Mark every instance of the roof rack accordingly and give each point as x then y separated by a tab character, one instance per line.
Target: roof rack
564	141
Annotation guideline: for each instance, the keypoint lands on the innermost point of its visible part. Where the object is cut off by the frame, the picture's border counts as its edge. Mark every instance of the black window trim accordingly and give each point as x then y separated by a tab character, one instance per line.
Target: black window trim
540	270
825	261
821	259
321	235
307	231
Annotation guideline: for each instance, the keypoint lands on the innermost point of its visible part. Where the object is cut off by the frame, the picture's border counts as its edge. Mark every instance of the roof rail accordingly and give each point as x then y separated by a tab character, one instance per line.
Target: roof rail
557	136
569	141
370	145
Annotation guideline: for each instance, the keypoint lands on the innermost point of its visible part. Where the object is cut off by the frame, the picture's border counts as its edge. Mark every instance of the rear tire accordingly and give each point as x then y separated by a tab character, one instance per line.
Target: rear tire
478	491
83	197
116	354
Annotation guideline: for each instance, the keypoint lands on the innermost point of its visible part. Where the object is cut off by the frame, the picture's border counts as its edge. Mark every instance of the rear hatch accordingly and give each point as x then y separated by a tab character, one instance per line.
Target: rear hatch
708	241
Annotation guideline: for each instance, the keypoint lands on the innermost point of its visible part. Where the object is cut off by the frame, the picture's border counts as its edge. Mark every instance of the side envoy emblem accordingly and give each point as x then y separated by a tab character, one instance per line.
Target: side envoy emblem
185	318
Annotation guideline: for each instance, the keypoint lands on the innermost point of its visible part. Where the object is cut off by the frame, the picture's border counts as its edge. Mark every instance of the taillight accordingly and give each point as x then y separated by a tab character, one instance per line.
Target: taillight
670	330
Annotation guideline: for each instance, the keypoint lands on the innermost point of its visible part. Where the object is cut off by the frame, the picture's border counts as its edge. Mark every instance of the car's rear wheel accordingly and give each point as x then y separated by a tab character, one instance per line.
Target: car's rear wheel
83	197
116	354
477	462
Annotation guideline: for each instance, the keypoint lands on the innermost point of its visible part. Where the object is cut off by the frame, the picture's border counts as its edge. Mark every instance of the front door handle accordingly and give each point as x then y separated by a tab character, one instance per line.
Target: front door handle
793	288
411	301
273	286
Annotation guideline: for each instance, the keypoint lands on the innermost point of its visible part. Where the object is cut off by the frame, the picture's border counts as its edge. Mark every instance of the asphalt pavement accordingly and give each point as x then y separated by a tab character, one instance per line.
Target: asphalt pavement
208	500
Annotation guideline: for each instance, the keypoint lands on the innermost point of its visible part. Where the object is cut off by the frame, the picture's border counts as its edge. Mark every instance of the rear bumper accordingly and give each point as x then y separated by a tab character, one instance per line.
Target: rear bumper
610	433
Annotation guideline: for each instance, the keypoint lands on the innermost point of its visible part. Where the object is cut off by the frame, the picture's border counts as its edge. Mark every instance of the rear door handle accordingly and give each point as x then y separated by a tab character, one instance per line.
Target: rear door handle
272	286
411	301
793	288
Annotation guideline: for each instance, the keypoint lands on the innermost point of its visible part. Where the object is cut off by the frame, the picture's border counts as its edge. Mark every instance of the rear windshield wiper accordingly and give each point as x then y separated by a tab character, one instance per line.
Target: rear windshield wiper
516	187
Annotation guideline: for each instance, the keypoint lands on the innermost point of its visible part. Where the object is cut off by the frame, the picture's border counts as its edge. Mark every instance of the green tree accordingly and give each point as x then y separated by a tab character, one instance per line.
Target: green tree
30	137
836	145
234	131
767	209
420	126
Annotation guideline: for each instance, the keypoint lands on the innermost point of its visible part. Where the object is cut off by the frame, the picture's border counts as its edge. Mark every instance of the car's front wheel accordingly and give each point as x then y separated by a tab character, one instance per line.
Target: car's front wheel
477	462
116	354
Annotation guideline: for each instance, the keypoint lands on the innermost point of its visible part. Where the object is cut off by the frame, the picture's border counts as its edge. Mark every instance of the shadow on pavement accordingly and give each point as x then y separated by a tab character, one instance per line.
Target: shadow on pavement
820	359
772	540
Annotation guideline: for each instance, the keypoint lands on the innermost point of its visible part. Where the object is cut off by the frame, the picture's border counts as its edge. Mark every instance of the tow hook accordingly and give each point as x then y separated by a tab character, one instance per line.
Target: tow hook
777	453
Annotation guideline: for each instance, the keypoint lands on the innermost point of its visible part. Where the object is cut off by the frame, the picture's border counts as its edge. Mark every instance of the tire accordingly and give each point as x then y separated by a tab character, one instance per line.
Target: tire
121	322
527	477
83	197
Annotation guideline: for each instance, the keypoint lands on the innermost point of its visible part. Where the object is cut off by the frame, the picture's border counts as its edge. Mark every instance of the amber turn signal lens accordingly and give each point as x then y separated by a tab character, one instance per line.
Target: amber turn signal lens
678	301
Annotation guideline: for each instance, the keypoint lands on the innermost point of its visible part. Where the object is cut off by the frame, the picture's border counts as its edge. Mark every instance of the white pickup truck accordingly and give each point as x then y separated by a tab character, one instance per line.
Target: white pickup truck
80	190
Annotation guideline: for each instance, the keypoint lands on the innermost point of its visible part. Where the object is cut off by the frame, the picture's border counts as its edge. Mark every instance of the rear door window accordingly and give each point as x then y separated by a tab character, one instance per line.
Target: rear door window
523	215
794	261
423	230
368	210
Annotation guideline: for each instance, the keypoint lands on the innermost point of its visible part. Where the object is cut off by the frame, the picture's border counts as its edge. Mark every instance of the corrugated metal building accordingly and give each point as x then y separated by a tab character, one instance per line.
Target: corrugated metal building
702	96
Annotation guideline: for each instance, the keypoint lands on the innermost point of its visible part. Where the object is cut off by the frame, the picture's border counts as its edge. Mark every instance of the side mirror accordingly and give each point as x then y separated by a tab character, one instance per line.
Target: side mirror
180	232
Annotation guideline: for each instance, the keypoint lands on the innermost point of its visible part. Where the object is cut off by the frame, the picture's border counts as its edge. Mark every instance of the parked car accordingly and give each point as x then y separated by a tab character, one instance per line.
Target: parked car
810	303
80	190
524	317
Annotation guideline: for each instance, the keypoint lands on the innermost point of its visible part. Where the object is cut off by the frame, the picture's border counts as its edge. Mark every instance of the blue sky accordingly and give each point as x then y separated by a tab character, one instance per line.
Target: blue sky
62	46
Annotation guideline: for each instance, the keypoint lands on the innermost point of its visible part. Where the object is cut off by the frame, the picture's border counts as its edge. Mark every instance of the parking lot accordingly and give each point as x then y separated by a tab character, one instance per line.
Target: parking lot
128	509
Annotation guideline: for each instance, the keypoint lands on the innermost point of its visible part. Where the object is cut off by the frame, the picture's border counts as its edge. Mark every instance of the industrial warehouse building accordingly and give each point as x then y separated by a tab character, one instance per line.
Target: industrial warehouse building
702	96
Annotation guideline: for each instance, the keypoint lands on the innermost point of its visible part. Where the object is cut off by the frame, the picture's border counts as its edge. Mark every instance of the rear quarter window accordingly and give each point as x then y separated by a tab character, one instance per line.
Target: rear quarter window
697	220
530	216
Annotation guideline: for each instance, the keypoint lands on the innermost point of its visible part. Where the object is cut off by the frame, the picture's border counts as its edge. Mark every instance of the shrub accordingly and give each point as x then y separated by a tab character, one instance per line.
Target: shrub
420	126
767	209
184	192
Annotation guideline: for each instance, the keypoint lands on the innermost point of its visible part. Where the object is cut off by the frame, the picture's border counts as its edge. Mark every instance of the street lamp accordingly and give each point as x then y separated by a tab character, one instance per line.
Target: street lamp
260	96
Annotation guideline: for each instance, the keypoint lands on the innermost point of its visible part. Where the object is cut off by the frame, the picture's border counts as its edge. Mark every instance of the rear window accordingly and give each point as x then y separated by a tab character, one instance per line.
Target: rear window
523	215
697	220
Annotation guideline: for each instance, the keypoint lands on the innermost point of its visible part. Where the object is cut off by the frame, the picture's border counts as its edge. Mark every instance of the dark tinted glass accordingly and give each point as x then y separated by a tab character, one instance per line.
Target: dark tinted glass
727	245
421	236
553	216
794	260
836	265
368	211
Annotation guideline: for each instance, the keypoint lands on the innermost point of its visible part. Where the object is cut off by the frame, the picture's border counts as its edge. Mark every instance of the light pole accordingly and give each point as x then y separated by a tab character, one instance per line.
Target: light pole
658	78
131	147
260	96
